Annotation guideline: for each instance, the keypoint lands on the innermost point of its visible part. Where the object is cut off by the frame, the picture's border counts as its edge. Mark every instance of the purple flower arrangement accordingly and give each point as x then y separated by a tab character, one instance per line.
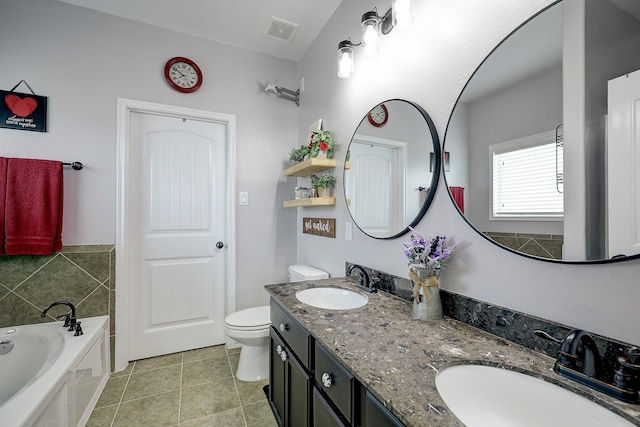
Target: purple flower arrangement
427	254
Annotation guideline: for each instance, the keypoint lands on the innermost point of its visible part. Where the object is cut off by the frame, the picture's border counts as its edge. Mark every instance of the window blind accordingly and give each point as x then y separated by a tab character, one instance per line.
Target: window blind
524	180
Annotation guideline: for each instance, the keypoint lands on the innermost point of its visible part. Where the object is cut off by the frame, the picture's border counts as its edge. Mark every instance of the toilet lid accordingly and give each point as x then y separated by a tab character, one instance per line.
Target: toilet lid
250	317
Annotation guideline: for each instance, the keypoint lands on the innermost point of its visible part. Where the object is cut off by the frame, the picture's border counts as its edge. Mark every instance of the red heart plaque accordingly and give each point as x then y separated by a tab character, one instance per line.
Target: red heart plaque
22	107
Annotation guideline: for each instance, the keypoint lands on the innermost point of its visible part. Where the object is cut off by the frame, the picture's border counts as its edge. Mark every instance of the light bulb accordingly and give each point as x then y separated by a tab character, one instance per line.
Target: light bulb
345	59
370	33
403	12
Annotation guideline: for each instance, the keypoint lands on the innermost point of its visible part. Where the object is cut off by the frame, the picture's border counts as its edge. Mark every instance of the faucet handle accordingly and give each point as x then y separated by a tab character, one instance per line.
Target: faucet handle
626	375
66	319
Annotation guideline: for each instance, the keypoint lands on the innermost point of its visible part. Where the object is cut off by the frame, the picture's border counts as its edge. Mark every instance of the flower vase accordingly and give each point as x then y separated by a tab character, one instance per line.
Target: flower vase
427	304
324	192
322	154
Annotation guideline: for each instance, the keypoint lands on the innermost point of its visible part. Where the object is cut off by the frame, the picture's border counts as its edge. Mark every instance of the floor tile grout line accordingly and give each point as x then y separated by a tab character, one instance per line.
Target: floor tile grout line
180	392
122	395
235	385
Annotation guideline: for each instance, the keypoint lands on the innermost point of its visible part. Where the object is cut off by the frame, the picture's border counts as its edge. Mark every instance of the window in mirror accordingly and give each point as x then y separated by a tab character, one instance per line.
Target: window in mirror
524	179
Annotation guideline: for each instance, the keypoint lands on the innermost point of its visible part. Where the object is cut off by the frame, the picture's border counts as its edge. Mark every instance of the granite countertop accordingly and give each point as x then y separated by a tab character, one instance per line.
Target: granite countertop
397	358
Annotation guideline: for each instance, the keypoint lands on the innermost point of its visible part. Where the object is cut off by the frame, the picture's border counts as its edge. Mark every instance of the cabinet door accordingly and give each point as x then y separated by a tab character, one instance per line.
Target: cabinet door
374	414
298	385
277	378
323	415
335	381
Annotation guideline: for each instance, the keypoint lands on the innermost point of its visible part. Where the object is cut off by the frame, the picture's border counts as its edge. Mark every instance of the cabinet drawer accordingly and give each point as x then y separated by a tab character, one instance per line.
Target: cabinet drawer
295	335
335	381
374	414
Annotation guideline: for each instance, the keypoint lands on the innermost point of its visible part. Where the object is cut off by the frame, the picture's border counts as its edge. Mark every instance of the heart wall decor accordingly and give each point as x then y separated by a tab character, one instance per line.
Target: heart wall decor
23	111
22	107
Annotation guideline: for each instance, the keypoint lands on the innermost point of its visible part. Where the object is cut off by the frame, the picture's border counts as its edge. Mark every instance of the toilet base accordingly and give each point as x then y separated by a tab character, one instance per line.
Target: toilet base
254	362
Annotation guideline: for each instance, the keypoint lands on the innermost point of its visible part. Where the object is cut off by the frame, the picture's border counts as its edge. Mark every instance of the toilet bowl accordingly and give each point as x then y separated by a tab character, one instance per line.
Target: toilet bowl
250	327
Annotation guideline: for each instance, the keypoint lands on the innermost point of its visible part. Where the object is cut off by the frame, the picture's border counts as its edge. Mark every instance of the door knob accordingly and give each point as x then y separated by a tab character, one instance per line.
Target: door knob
219	245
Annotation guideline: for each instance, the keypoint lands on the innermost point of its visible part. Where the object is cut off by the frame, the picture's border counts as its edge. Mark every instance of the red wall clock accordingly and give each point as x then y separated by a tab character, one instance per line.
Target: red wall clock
183	74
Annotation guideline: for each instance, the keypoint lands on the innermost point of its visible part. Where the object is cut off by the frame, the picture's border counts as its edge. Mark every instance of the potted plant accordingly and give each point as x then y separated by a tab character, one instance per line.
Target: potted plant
321	144
299	154
323	183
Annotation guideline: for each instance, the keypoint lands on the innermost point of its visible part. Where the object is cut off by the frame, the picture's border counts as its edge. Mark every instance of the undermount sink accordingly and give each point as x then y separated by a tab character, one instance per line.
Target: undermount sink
487	396
332	298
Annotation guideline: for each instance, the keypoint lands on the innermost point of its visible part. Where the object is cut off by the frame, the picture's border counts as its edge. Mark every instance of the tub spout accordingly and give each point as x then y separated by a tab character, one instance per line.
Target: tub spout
71	321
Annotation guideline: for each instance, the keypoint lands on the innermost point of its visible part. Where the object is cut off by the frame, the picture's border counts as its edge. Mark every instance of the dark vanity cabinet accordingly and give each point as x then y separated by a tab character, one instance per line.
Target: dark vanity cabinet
289	376
308	387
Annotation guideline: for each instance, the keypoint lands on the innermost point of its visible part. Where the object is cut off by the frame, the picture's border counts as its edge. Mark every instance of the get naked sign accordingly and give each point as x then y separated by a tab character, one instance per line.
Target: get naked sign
325	227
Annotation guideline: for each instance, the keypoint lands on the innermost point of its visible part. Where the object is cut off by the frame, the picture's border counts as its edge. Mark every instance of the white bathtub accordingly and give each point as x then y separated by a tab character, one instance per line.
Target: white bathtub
51	377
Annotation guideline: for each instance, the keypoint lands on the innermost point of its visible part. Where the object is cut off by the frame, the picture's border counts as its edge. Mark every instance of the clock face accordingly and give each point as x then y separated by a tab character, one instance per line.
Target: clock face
183	74
379	115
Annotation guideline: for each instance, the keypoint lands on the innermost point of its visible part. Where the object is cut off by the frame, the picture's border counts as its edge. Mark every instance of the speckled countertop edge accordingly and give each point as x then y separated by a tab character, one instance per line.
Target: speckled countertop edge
397	358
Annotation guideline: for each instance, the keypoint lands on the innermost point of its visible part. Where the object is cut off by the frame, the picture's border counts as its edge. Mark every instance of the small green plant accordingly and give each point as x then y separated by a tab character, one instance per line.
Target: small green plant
298	154
323	181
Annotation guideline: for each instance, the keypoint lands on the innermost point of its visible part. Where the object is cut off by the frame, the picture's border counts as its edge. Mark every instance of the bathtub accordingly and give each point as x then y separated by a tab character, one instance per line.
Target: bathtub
51	377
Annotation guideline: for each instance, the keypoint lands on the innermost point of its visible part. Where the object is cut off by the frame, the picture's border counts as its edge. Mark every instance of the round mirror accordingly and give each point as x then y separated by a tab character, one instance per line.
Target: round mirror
526	144
392	169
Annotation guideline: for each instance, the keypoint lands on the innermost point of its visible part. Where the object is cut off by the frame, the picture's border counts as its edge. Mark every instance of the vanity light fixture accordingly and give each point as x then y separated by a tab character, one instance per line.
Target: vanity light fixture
373	27
345	59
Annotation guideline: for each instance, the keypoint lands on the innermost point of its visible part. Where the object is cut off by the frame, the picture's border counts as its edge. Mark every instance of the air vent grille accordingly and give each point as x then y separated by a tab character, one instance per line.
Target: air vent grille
281	29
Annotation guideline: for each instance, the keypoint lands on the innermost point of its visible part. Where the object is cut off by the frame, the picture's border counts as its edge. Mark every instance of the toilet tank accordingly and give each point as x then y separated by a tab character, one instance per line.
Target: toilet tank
298	273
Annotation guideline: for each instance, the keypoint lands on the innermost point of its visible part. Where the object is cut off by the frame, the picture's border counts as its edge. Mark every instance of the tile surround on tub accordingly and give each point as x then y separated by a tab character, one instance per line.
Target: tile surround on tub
508	324
83	275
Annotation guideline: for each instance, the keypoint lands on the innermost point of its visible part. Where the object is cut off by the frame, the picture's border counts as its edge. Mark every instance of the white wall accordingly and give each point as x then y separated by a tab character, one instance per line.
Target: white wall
429	63
84	60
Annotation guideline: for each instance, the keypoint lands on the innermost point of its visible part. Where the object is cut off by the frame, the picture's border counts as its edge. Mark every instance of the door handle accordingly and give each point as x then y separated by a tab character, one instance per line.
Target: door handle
219	245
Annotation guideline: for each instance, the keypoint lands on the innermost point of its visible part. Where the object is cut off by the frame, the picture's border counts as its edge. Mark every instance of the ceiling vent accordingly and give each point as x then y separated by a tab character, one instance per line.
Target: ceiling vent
281	29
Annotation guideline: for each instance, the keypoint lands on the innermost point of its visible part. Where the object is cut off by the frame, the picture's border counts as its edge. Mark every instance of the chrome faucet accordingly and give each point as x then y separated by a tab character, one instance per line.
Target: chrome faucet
579	360
364	282
70	320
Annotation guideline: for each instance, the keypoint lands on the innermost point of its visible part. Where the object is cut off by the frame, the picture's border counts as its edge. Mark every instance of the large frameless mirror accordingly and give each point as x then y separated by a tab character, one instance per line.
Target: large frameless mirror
392	169
529	143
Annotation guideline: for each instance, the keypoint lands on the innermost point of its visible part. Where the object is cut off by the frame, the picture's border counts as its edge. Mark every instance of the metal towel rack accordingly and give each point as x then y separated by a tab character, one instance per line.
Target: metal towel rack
75	165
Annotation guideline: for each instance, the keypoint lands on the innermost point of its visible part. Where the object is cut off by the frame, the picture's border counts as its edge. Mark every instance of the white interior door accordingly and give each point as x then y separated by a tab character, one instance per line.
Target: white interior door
177	217
623	165
375	186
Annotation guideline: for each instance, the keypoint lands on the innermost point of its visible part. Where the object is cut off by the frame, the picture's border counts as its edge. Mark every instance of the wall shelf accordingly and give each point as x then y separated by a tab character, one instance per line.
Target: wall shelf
313	201
310	167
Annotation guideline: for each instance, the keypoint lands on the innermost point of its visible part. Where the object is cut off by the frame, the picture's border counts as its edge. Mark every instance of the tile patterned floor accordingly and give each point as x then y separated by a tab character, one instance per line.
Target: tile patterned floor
195	388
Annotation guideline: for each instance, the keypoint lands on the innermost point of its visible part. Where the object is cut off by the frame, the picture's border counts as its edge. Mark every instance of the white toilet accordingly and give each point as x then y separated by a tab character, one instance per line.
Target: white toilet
250	327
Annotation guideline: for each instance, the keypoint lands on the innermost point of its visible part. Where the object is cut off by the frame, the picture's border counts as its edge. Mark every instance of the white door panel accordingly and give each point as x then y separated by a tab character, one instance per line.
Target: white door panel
177	291
623	165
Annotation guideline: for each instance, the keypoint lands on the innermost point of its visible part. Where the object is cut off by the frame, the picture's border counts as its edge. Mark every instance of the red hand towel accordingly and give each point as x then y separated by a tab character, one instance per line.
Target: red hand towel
33	212
458	196
3	191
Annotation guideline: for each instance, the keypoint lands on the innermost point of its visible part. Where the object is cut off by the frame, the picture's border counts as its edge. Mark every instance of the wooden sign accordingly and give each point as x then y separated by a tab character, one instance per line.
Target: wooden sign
23	111
325	227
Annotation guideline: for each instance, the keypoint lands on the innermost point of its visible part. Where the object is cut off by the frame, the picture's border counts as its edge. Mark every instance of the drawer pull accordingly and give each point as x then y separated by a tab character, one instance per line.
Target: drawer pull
283	355
326	380
279	349
283	327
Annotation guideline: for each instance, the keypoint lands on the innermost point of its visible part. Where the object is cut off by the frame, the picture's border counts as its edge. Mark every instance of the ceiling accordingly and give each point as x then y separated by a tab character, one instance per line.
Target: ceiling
241	23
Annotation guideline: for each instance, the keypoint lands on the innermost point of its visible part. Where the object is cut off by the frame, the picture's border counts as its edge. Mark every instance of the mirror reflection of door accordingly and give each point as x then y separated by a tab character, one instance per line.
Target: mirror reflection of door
623	158
376	195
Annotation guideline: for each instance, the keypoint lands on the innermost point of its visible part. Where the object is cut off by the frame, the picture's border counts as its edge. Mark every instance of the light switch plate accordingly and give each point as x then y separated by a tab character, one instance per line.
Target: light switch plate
244	198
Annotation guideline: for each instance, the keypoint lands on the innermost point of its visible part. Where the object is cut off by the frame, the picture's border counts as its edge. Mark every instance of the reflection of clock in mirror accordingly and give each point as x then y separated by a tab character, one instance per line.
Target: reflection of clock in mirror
379	115
183	74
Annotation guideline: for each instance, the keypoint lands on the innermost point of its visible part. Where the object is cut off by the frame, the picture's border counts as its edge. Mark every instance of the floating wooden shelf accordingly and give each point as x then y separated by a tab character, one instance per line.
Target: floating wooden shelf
313	201
310	166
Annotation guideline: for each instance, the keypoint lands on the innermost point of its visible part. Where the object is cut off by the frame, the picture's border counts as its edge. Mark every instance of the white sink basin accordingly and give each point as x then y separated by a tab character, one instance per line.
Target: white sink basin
486	396
332	298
